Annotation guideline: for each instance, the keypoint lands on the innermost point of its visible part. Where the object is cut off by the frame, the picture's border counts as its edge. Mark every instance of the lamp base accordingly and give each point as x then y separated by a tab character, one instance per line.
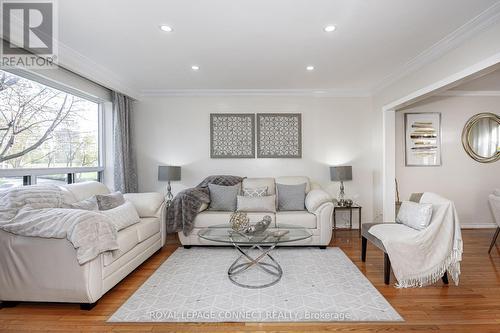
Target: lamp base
169	196
341	201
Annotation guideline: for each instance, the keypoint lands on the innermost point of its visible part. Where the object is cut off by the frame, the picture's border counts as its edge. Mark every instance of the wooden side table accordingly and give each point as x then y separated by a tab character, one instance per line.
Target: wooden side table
350	209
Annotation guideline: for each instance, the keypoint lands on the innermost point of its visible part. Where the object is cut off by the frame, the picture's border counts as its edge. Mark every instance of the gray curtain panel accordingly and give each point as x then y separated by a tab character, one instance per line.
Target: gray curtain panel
125	168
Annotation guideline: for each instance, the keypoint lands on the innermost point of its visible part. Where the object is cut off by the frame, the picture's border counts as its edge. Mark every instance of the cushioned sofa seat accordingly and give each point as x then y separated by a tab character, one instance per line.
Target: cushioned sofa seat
129	237
117	269
209	218
297	218
147	228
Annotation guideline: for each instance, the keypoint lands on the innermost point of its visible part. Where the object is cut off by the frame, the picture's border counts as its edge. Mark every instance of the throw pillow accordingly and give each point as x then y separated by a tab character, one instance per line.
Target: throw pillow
87	204
255	192
122	216
415	215
109	201
257	204
291	197
68	197
223	198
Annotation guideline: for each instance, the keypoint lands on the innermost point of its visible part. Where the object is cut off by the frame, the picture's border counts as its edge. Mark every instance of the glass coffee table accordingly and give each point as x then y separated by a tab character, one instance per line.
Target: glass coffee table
263	244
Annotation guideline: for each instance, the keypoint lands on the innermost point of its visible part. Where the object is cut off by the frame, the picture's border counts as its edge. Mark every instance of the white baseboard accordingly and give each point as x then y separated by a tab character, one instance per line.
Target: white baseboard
478	226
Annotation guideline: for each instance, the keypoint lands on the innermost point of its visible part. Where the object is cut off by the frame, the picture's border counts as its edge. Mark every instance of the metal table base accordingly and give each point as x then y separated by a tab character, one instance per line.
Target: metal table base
272	268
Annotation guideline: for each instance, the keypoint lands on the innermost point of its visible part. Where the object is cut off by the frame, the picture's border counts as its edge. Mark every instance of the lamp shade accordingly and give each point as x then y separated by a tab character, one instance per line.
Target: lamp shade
341	173
168	172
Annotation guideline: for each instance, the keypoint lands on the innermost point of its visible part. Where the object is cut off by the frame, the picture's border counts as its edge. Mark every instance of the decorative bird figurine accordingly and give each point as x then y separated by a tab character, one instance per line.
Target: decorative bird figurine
259	227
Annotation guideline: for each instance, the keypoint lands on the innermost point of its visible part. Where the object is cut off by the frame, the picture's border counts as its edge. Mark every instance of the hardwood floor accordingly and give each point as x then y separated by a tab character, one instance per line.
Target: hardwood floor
474	306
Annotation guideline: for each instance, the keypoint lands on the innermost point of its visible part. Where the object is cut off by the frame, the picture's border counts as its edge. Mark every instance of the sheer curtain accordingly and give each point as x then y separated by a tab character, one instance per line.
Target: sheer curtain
125	169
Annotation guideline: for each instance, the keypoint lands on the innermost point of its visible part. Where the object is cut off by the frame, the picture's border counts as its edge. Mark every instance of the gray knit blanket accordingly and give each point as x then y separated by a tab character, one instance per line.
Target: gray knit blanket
186	204
38	211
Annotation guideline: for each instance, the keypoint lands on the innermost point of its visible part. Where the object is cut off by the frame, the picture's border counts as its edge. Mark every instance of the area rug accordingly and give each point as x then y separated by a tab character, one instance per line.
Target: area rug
317	285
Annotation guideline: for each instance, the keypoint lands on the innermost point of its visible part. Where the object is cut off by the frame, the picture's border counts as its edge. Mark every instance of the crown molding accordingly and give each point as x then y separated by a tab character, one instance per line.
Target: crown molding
471	28
477	93
254	92
89	69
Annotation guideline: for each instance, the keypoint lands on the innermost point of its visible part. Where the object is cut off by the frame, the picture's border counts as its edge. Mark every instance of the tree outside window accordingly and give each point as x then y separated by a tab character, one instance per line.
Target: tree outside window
42	127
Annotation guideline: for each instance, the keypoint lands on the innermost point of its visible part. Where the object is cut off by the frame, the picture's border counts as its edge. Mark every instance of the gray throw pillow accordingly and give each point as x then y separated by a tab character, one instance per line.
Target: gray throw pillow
291	197
223	198
109	201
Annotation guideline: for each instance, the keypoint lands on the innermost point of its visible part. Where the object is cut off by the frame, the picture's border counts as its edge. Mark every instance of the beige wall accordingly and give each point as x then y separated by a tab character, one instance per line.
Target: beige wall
481	48
175	130
460	178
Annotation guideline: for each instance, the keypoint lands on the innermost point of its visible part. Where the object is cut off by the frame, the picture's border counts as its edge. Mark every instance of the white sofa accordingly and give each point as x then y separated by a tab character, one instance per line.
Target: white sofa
317	217
46	269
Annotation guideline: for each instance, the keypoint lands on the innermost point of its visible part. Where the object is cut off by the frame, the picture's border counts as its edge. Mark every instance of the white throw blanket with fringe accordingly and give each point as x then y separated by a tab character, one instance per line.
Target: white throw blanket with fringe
37	211
420	258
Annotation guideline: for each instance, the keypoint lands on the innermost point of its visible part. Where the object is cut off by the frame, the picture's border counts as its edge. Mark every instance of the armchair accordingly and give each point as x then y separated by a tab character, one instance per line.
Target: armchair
393	230
494	200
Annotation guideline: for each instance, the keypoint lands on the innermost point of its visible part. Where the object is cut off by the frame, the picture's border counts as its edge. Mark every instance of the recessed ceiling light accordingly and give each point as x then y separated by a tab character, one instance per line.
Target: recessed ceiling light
195	67
310	68
166	28
330	28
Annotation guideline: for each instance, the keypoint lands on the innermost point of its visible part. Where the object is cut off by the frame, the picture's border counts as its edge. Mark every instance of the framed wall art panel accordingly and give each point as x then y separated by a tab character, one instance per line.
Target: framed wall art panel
232	135
279	135
423	139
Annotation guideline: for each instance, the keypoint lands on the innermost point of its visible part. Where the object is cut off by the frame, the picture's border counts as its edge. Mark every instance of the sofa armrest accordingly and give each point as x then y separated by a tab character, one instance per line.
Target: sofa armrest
147	204
315	198
319	203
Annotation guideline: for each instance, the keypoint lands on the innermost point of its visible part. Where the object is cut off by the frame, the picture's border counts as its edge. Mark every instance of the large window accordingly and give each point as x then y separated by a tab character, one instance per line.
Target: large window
43	128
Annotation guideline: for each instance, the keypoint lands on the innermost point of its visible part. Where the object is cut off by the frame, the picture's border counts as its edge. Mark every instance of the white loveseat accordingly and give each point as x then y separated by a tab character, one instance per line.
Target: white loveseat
46	269
317	217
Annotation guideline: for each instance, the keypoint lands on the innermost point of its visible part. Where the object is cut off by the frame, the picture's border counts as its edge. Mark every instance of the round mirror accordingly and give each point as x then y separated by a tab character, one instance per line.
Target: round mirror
481	137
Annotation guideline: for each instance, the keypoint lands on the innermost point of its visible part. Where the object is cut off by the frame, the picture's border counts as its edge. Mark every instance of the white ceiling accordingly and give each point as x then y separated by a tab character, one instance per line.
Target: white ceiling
487	83
257	44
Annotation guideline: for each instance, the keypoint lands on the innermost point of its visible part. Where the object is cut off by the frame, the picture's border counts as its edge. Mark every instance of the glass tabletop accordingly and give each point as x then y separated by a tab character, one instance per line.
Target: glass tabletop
281	233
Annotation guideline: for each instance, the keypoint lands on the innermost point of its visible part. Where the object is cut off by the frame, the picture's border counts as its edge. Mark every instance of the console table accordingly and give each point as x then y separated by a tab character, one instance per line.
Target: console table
350	209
